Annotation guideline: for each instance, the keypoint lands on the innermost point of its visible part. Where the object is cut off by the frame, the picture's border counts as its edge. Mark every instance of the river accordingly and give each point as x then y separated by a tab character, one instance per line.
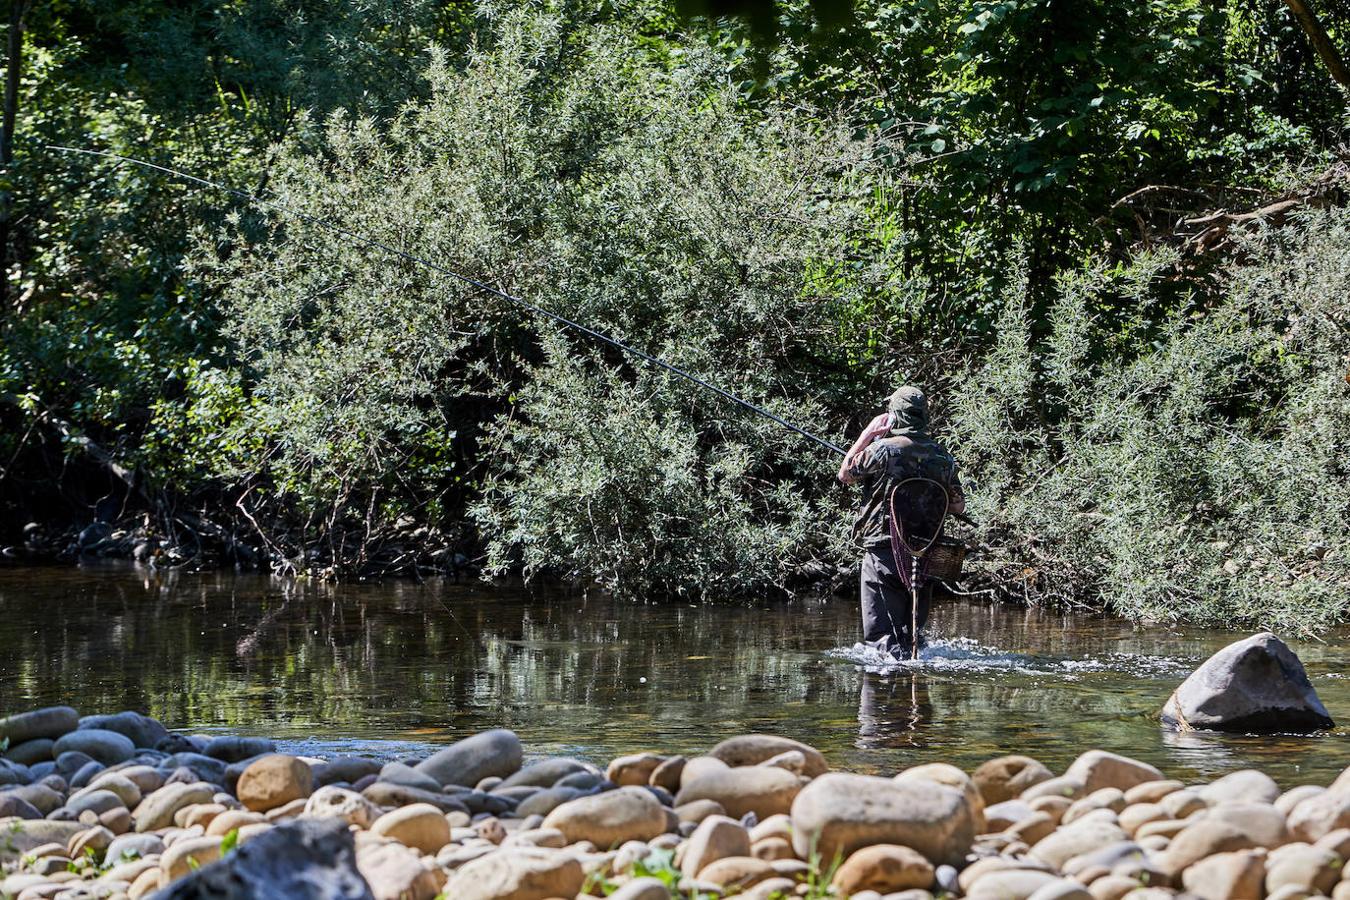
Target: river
389	668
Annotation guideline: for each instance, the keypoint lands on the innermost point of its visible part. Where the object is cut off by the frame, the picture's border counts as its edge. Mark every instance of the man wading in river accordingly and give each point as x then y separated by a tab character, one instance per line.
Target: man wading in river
894	447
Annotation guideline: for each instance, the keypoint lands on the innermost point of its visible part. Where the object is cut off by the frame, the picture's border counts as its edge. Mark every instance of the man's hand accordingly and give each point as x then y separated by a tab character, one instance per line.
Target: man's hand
875	429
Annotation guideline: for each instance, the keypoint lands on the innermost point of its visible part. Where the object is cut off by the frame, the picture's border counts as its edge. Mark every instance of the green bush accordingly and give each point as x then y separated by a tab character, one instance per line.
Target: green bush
1201	477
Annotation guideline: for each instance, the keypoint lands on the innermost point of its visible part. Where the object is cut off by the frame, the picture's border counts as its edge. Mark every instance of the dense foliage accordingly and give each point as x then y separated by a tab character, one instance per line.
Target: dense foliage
1036	216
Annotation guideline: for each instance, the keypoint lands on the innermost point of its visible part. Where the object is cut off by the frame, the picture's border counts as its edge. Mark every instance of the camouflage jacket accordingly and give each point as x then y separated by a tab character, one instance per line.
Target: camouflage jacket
887	462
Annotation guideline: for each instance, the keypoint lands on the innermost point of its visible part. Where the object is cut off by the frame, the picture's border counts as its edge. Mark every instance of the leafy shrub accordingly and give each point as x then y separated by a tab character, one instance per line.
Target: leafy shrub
1202	476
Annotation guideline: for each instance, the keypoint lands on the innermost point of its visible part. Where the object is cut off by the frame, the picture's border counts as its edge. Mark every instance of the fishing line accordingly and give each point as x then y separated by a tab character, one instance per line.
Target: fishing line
402	254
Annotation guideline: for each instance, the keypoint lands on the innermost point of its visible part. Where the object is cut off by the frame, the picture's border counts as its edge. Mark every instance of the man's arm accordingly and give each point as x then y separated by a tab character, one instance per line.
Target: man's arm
848	469
956	496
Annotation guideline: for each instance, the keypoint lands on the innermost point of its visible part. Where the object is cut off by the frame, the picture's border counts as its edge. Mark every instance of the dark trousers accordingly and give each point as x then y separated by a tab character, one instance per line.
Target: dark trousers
886	603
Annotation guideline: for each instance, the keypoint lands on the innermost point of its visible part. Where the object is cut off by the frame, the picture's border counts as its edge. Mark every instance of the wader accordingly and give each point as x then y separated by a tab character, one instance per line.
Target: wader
883	592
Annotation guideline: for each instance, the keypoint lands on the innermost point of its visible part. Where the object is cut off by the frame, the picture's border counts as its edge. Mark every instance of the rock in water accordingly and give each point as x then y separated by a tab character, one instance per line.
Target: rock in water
1254	685
471	760
303	860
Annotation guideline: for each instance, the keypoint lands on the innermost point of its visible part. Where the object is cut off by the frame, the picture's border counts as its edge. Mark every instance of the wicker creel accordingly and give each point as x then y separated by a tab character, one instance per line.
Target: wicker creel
945	558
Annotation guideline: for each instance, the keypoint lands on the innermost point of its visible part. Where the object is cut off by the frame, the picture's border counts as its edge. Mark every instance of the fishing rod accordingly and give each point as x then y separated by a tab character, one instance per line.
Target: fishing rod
403	254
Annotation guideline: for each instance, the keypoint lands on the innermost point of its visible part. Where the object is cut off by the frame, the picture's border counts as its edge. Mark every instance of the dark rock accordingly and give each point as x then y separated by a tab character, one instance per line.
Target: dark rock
43	798
93	534
661	794
546	773
582	781
51	722
86	774
206	768
398	773
108	747
177	743
143	731
14	773
232	748
39	771
1253	685
309	859
29	752
14	805
345	768
70	762
469	761
382	793
479	802
364	782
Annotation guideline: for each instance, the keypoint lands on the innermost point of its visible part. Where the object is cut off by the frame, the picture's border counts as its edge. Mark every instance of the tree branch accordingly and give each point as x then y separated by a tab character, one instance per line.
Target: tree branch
1321	42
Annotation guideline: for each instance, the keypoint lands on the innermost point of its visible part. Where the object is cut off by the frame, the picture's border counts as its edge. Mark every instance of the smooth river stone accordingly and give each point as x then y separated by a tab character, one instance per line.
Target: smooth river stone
762	790
467	762
545	773
107	747
840	813
609	819
142	731
51	722
753	749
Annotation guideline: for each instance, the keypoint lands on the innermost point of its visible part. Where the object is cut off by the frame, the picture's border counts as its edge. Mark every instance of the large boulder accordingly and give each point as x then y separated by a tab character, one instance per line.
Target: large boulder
467	762
1254	685
303	860
839	813
52	722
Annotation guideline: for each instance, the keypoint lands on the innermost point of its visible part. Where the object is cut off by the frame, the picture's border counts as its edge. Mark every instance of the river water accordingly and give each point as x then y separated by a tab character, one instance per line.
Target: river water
390	668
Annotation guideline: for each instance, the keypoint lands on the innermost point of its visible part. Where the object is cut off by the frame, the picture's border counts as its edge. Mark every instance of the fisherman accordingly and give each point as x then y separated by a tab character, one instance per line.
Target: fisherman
896	446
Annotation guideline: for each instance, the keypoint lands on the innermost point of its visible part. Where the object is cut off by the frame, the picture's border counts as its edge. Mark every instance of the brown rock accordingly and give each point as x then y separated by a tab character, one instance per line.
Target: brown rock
1311	868
841	813
228	821
736	873
1105	798
1245	786
1151	791
763	791
1320	815
188	854
951	776
772	848
1098	769
1136	815
1066	843
395	873
667	775
634	770
1034	828
717	837
274	780
1261	822
610	819
1294	796
1008	777
1052	806
1183	804
883	868
1009	884
421	826
1200	840
698	810
1238	875
1069	786
1113	887
752	749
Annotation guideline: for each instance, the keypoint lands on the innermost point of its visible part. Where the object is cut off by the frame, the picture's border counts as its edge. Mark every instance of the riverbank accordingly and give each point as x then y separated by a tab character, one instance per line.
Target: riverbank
119	807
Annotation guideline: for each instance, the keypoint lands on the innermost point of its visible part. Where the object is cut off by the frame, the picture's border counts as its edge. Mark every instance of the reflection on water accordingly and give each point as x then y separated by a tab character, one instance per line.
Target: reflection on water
360	666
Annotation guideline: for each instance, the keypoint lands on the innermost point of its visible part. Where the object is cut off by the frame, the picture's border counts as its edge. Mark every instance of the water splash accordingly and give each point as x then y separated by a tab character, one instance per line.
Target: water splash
969	656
